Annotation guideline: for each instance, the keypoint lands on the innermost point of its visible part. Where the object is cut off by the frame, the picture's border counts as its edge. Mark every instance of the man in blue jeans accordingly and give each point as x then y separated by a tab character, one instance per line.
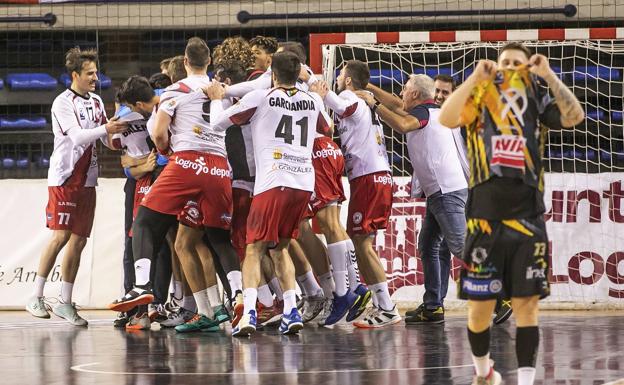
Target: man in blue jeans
440	172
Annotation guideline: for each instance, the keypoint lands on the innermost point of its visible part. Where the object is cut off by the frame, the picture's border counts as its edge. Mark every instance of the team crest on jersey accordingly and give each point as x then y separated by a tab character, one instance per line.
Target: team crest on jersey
82	114
278	153
197	130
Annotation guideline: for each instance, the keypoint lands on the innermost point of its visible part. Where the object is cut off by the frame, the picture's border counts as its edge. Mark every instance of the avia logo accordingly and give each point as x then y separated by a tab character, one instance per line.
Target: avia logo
508	151
514	100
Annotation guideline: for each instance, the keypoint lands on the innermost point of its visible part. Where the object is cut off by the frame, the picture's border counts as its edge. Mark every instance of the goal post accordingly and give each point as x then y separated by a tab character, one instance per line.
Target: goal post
584	191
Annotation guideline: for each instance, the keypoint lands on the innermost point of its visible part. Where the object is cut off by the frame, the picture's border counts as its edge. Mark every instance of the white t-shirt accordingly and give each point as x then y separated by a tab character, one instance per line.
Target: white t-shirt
77	122
361	135
190	120
283	125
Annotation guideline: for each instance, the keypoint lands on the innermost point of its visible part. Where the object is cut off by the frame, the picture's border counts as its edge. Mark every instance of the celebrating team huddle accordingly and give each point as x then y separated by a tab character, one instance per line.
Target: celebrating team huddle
225	176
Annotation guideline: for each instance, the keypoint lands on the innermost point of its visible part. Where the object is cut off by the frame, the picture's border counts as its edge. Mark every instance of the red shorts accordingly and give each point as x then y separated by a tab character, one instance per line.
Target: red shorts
242	204
276	213
370	203
71	208
194	176
329	166
191	215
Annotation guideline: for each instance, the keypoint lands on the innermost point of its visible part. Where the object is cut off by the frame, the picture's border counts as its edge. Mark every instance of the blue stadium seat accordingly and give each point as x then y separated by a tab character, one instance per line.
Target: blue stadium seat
553	153
596	114
8	162
22	163
42	161
103	81
605	156
31	81
596	72
385	76
616	116
1	84
22	123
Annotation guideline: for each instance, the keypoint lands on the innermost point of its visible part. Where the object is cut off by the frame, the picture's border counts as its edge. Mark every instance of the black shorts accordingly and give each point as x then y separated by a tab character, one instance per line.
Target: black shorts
509	255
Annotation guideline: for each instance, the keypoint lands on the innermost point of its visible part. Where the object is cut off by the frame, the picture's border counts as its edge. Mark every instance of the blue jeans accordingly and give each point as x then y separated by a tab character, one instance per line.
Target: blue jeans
443	232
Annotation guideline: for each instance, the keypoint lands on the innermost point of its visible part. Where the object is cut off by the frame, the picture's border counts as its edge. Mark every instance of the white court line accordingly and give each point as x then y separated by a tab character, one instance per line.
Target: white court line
81	368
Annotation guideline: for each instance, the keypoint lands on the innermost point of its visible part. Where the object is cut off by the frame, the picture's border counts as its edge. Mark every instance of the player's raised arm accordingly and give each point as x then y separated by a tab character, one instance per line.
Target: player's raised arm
571	111
241	89
451	112
389	100
238	114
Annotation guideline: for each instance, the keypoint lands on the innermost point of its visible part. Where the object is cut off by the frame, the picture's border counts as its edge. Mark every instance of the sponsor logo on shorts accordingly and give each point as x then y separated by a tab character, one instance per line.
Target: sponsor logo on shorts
481	286
383	179
193	212
533	273
481	271
290	168
478	255
226	217
357	217
144	189
328	152
199	166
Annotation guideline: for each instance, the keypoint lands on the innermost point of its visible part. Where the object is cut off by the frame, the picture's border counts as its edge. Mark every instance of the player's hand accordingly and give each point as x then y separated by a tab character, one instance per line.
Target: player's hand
538	65
215	91
304	75
150	164
114	126
367	97
486	70
320	88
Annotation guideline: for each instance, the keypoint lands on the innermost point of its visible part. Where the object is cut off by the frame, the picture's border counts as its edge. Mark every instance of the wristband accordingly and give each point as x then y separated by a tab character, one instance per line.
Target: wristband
164	152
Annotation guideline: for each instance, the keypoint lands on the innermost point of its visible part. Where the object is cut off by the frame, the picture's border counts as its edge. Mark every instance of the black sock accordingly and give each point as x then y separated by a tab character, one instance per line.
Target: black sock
479	342
527	342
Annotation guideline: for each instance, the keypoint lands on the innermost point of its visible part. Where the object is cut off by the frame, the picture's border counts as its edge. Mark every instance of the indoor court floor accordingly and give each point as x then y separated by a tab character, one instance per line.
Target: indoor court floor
576	348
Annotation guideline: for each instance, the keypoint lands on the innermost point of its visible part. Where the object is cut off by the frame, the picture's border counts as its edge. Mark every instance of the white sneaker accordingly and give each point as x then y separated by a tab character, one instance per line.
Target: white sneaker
378	318
327	308
37	307
493	378
177	318
68	312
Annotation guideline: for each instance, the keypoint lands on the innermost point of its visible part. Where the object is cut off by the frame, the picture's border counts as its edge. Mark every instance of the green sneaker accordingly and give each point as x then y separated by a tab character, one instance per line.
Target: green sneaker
37	307
221	314
199	323
69	313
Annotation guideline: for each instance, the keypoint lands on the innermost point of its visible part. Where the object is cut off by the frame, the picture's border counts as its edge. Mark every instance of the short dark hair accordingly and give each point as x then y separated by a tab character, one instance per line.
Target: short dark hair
176	69
159	80
135	89
286	67
164	63
232	69
517	46
358	72
75	58
296	48
269	44
197	53
446	79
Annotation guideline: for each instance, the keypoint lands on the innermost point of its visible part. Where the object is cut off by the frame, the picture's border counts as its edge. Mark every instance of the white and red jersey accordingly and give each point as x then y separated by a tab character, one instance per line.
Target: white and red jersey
190	119
361	135
77	122
283	124
135	142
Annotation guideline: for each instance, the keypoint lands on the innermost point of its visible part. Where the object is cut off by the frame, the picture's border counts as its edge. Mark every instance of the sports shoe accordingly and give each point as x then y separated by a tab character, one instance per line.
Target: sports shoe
177	318
270	316
291	323
135	297
341	306
121	320
238	308
422	315
37	307
378	318
300	301
221	314
503	311
493	377
157	313
358	308
68	312
327	308
312	306
246	325
199	323
139	322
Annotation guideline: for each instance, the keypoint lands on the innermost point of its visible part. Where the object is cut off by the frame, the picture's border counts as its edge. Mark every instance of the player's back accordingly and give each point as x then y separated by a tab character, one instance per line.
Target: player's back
71	111
362	139
283	131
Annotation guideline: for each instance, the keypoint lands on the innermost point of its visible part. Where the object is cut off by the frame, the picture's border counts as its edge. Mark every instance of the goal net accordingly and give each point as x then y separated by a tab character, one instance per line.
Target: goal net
585	167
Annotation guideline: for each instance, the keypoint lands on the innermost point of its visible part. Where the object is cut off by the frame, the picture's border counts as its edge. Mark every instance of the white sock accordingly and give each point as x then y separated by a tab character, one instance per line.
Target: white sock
177	290
338	256
482	365
308	284
213	296
526	375
327	283
265	296
188	302
383	295
203	306
250	295
277	288
39	285
66	291
142	271
290	301
352	266
375	300
235	278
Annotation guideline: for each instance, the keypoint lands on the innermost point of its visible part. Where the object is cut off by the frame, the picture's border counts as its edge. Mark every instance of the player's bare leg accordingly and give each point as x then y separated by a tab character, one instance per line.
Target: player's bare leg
313	296
176	292
285	270
316	254
208	265
479	319
252	270
384	312
222	246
